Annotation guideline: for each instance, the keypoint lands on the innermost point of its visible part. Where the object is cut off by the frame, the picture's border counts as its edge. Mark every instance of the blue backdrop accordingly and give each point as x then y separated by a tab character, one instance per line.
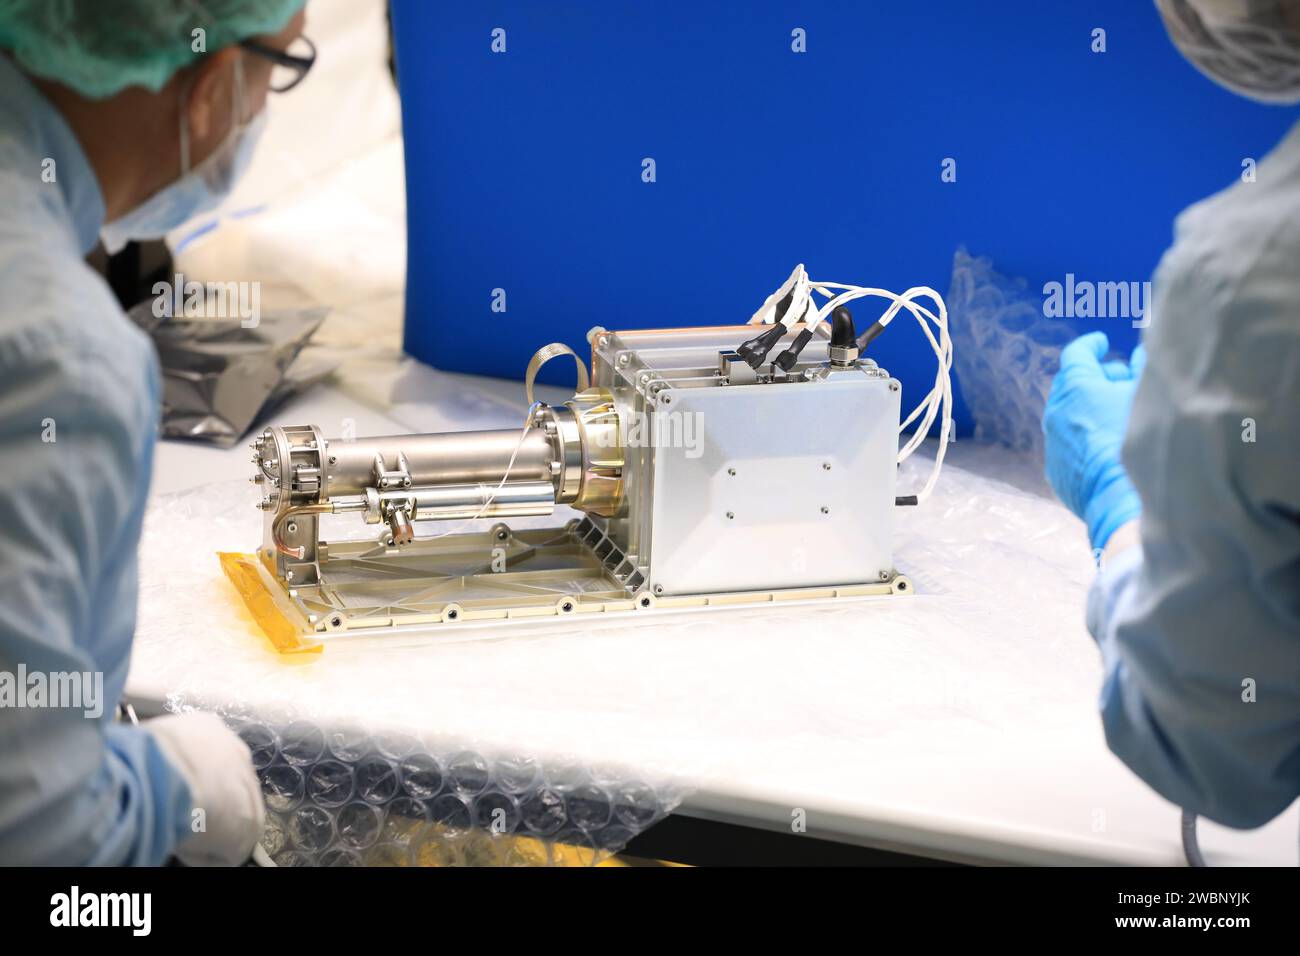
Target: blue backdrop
524	168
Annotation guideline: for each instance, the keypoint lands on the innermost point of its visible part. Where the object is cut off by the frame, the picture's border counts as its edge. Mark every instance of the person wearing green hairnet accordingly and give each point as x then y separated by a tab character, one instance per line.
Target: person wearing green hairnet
119	120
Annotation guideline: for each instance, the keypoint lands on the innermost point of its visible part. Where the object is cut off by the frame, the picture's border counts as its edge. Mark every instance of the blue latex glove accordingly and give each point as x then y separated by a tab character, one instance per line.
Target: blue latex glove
1085	420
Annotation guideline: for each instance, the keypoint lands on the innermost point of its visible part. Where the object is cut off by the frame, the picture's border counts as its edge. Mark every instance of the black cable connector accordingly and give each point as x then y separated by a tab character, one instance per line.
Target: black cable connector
866	337
842	332
754	351
905	500
787	359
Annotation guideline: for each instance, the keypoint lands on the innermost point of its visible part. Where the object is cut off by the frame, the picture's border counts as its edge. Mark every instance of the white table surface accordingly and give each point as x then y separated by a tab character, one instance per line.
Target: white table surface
943	724
971	766
973	738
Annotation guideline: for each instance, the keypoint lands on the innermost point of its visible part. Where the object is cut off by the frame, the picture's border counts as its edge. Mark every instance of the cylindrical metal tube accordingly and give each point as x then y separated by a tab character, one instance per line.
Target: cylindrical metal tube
440	459
514	498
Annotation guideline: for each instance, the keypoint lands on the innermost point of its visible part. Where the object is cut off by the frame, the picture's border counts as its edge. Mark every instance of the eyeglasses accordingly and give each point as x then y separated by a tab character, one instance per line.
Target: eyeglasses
290	65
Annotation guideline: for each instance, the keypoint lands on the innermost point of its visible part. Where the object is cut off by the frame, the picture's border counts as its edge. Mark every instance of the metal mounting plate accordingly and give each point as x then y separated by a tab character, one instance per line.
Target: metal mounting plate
442	586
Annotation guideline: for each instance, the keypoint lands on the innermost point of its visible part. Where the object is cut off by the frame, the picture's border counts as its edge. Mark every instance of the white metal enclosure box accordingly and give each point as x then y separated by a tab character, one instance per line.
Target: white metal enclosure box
759	486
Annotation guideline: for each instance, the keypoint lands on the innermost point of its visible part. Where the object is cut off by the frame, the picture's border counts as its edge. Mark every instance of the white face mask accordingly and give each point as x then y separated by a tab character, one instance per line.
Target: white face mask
198	190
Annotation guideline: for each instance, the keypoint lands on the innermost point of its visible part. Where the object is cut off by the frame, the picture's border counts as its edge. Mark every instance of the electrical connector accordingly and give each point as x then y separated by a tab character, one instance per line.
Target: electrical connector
868	336
844	339
787	359
754	351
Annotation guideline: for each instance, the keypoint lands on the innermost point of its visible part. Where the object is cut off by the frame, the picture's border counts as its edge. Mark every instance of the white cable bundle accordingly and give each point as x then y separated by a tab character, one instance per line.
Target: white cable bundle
939	399
801	291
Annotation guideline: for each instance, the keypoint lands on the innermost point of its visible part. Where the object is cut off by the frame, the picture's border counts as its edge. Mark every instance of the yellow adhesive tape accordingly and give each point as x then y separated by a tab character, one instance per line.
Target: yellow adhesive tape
242	571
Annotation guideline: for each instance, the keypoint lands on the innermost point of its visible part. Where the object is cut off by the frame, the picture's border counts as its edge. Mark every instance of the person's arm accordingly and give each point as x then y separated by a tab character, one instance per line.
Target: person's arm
1199	625
74	789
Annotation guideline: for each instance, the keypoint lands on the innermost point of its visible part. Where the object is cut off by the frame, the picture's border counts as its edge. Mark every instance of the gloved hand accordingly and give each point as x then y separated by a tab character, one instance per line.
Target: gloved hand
1084	422
218	768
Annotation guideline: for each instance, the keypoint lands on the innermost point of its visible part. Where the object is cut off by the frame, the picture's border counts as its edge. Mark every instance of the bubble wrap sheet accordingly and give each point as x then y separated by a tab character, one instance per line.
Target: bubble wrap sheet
1005	350
558	742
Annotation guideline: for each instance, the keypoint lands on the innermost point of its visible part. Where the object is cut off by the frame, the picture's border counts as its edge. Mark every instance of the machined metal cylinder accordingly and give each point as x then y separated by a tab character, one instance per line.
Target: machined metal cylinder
514	498
476	500
439	459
